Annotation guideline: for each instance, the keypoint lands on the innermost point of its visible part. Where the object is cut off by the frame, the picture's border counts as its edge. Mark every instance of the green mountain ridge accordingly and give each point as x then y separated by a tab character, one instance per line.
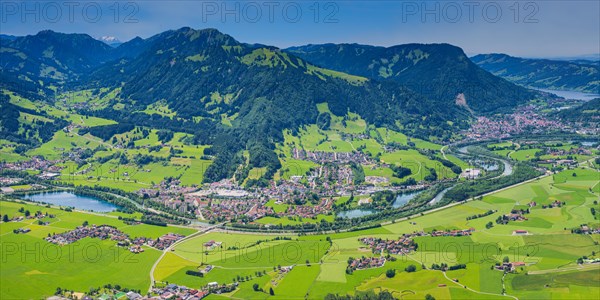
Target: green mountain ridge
206	74
52	55
240	97
583	76
438	71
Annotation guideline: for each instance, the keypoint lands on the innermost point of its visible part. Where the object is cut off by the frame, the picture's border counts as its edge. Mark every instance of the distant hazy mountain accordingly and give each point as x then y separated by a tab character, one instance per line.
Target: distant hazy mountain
586	62
440	71
7	37
543	73
585	57
111	41
53	56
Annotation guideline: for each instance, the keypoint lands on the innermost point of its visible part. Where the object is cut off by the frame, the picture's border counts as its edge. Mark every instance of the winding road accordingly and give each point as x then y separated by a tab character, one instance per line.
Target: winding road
200	232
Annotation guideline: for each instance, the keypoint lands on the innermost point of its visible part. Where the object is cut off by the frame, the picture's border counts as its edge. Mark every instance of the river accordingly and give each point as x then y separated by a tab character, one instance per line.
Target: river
464	150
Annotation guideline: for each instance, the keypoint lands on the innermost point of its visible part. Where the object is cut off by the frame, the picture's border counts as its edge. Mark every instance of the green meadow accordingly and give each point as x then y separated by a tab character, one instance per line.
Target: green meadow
79	266
342	135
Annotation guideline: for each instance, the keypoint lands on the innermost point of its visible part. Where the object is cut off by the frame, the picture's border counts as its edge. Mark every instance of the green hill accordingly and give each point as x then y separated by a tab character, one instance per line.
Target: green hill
205	74
438	71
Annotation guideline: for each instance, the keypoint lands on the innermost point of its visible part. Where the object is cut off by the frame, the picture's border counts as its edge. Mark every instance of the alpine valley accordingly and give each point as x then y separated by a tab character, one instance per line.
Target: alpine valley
199	166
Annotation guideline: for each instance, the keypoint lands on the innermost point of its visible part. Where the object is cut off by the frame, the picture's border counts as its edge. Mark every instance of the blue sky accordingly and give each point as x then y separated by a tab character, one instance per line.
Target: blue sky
523	28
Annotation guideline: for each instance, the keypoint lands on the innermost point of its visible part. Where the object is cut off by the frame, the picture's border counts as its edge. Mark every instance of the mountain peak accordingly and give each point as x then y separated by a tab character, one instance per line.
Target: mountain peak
46	32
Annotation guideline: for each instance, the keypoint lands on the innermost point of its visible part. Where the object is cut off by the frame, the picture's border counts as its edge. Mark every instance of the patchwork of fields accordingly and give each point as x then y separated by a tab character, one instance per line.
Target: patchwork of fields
548	247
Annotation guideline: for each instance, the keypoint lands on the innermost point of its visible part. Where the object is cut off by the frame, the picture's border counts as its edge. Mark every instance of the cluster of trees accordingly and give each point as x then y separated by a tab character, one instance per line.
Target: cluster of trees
358	173
368	295
383	198
469	189
445	267
454	167
165	135
343	223
410	268
154	220
390	273
487	213
32	133
143	159
107	131
407	182
194	273
400	172
432	176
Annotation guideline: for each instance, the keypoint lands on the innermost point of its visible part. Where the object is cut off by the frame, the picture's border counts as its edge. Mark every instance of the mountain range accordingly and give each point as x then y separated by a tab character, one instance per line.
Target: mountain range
579	75
206	77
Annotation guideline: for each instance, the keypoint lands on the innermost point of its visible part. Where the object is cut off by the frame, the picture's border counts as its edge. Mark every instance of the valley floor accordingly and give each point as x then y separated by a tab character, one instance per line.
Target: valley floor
312	266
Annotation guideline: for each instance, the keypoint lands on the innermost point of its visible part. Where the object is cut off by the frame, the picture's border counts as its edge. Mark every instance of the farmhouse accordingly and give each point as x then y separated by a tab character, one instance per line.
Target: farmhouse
207	269
464	232
133	296
366	263
402	246
22	230
7	190
470	173
510	266
136	249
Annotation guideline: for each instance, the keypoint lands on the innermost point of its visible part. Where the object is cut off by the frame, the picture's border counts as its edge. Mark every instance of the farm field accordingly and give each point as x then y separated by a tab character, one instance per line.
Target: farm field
342	135
77	266
549	246
106	168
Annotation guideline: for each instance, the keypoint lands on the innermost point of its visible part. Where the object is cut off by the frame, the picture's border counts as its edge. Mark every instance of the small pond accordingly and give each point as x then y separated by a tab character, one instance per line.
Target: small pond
401	200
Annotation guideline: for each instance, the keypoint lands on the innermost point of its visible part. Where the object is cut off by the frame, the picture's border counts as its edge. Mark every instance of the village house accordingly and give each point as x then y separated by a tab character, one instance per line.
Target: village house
510	266
402	246
366	263
464	232
520	232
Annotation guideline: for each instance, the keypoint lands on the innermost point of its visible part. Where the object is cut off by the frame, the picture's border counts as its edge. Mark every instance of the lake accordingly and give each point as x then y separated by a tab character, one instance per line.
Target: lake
572	94
71	200
400	201
356	213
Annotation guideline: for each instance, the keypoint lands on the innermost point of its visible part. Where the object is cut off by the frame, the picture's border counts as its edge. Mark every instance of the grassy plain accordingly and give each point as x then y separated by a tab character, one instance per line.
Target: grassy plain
78	266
